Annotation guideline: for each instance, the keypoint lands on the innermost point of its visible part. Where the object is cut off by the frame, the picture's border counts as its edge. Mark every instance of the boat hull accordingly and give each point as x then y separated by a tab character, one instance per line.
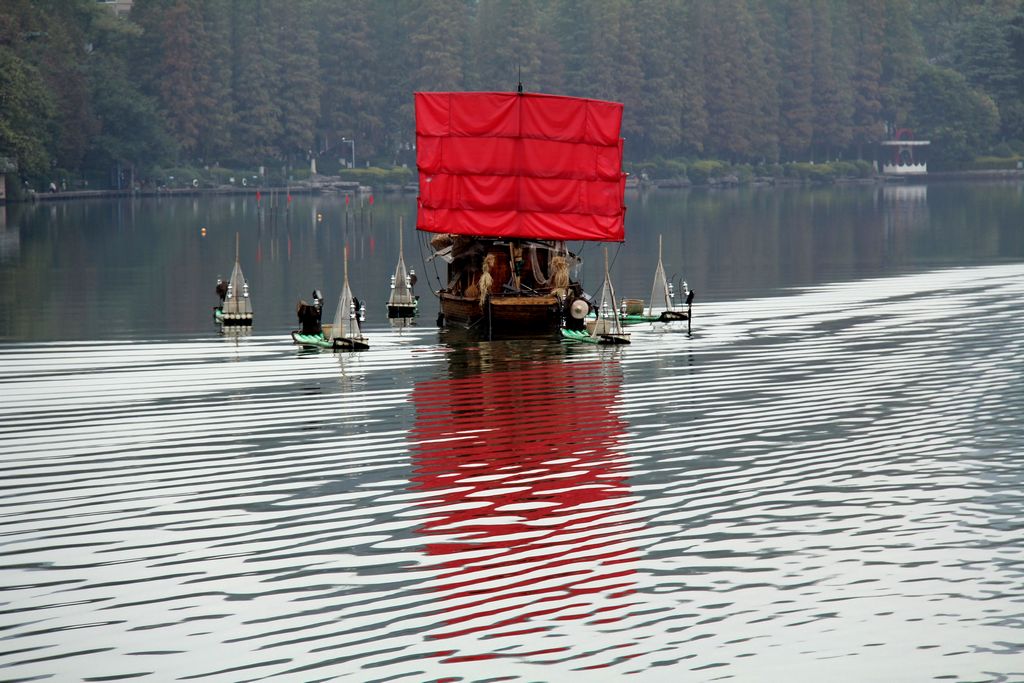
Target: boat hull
663	317
402	311
311	341
608	339
222	318
350	344
511	314
321	341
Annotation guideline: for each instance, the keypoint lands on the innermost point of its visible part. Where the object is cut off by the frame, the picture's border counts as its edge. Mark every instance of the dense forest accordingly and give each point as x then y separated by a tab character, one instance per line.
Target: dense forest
245	83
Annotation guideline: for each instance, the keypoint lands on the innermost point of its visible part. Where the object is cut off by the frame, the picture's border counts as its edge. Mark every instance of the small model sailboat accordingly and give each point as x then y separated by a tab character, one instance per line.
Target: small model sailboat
402	303
345	333
662	307
606	328
662	296
236	307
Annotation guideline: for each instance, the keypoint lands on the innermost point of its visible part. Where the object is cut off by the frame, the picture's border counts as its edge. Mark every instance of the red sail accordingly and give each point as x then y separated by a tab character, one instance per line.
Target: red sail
520	166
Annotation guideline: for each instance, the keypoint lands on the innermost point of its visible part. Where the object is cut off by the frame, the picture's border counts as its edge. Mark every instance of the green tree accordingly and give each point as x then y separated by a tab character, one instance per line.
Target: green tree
1012	112
603	50
298	77
359	73
957	119
796	102
178	27
257	115
690	77
628	83
551	51
131	133
266	80
26	114
984	53
65	43
766	75
568	25
903	55
659	108
505	43
740	91
214	105
867	18
937	23
832	100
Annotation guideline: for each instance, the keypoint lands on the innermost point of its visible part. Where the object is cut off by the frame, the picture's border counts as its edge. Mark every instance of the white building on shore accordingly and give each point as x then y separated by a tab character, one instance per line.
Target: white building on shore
904	155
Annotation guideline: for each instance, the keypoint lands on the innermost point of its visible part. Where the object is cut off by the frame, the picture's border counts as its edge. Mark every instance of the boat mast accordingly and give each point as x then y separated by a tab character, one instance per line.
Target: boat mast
343	326
664	280
611	293
511	248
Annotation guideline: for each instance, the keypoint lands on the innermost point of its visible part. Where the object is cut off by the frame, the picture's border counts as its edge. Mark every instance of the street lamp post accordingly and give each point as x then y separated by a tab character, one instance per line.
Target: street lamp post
353	143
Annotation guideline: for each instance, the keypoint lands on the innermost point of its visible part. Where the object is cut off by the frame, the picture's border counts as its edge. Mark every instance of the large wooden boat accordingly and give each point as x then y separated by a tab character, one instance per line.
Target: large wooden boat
505	180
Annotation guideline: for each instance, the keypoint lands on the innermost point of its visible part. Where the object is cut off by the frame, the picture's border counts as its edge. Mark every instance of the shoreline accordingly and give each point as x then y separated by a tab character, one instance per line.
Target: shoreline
350	187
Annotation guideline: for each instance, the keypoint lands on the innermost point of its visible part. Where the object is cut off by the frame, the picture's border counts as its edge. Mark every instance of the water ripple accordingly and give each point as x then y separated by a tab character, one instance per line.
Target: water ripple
823	484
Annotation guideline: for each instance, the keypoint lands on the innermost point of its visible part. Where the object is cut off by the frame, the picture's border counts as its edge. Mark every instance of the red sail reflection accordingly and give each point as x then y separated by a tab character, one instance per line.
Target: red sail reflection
530	519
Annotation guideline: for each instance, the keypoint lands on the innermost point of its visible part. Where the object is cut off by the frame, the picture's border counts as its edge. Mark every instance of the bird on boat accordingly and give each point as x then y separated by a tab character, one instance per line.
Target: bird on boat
356	309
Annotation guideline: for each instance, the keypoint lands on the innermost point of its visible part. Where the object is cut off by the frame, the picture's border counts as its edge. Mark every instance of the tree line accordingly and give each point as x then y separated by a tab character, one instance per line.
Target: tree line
239	83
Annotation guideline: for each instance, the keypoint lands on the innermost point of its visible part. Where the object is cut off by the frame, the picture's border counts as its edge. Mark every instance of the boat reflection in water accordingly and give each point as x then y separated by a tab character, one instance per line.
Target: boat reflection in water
529	517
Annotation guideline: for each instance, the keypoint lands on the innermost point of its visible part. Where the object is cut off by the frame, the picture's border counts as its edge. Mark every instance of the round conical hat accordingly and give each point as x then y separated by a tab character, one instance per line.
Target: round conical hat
579	309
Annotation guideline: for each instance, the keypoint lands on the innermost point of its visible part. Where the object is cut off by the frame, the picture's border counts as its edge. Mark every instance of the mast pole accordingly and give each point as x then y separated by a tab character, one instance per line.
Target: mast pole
664	280
611	292
512	262
236	246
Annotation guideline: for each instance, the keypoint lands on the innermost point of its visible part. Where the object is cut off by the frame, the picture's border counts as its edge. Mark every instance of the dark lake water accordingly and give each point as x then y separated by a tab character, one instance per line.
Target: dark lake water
825	481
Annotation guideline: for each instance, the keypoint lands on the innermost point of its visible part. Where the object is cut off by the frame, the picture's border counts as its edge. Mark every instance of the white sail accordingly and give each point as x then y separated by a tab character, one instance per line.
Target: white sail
401	293
237	304
661	298
346	326
608	321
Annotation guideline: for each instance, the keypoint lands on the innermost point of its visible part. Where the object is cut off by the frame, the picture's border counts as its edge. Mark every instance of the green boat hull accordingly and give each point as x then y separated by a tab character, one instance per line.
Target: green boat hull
220	318
582	336
318	341
663	317
312	340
